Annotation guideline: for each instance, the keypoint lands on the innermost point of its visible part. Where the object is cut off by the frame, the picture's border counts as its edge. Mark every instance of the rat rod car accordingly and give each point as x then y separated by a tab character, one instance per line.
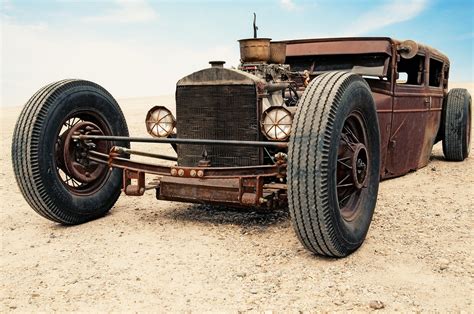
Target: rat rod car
309	124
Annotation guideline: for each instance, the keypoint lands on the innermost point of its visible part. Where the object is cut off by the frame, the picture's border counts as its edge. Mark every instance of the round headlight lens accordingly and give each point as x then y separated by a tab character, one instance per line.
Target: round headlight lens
276	123
160	122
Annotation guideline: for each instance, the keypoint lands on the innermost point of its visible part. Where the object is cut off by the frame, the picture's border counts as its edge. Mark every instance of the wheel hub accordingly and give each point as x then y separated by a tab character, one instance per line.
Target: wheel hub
75	153
359	165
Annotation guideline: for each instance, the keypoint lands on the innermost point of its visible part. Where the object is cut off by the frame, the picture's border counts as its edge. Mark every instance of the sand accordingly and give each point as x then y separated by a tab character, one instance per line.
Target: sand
149	255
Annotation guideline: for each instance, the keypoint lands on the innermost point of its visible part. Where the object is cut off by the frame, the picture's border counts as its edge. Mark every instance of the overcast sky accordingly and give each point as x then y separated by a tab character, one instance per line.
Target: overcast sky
141	48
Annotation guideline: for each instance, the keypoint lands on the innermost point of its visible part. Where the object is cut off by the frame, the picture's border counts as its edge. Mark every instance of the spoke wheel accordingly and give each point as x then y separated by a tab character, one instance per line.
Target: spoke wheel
352	165
52	168
78	174
334	164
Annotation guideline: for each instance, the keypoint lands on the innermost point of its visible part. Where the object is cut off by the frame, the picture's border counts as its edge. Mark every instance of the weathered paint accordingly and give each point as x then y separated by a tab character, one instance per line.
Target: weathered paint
409	115
409	120
337	46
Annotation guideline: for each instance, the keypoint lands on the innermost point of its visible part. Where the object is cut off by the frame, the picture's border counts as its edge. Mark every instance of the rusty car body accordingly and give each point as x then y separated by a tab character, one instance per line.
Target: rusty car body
409	113
271	133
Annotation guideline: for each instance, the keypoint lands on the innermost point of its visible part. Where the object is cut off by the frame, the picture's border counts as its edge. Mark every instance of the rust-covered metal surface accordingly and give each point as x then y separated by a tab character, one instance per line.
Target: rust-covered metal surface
218	104
383	101
416	115
245	186
219	108
409	114
337	46
351	45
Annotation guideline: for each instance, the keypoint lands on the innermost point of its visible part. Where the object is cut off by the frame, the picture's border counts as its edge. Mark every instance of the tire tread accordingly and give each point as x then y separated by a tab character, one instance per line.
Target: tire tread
25	144
453	140
313	227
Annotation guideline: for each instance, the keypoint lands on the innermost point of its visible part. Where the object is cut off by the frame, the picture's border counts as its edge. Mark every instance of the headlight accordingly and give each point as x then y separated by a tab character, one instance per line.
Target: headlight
160	122
276	123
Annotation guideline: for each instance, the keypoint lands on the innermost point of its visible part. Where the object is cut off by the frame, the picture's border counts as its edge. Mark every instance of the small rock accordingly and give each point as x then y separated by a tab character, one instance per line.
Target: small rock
35	295
443	264
433	169
376	305
241	275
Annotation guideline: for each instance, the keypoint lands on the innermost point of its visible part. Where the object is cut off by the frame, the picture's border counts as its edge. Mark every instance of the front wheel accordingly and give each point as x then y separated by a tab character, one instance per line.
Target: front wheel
333	164
52	170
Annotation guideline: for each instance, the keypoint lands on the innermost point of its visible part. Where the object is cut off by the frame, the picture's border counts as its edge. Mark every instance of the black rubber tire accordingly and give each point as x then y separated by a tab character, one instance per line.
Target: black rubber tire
33	151
312	163
456	124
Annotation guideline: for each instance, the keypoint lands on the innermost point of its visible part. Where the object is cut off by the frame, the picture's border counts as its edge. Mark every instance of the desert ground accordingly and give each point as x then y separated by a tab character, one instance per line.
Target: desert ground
149	255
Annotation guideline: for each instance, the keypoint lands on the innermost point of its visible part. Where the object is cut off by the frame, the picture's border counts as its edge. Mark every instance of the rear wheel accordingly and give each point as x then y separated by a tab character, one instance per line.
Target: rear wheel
333	164
456	124
51	168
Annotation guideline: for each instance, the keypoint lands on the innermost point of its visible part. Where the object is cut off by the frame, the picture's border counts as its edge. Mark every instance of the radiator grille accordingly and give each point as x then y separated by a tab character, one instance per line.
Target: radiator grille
223	112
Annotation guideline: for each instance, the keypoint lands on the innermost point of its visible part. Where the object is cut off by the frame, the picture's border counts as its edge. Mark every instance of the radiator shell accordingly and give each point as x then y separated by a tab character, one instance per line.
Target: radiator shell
221	104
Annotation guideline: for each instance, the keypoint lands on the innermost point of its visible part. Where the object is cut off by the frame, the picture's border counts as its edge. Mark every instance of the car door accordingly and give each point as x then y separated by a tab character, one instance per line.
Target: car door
411	104
437	88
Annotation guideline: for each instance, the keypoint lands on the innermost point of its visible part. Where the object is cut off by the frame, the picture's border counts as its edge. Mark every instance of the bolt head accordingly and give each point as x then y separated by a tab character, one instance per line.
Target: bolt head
180	172
174	172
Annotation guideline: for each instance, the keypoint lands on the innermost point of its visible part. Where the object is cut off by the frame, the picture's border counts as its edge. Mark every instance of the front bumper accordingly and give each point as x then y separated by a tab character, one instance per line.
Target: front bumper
236	186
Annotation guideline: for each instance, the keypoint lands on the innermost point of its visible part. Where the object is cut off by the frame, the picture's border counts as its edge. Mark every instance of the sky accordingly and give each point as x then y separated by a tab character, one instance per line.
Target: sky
141	48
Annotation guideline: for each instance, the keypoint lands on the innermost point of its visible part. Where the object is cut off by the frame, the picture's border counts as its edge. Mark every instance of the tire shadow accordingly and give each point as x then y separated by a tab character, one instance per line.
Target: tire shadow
437	157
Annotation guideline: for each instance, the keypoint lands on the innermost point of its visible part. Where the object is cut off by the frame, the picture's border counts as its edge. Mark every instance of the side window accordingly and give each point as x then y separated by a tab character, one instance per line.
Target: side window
436	72
410	71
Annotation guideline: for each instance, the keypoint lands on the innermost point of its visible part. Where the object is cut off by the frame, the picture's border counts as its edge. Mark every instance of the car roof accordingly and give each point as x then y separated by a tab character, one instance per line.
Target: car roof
352	45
